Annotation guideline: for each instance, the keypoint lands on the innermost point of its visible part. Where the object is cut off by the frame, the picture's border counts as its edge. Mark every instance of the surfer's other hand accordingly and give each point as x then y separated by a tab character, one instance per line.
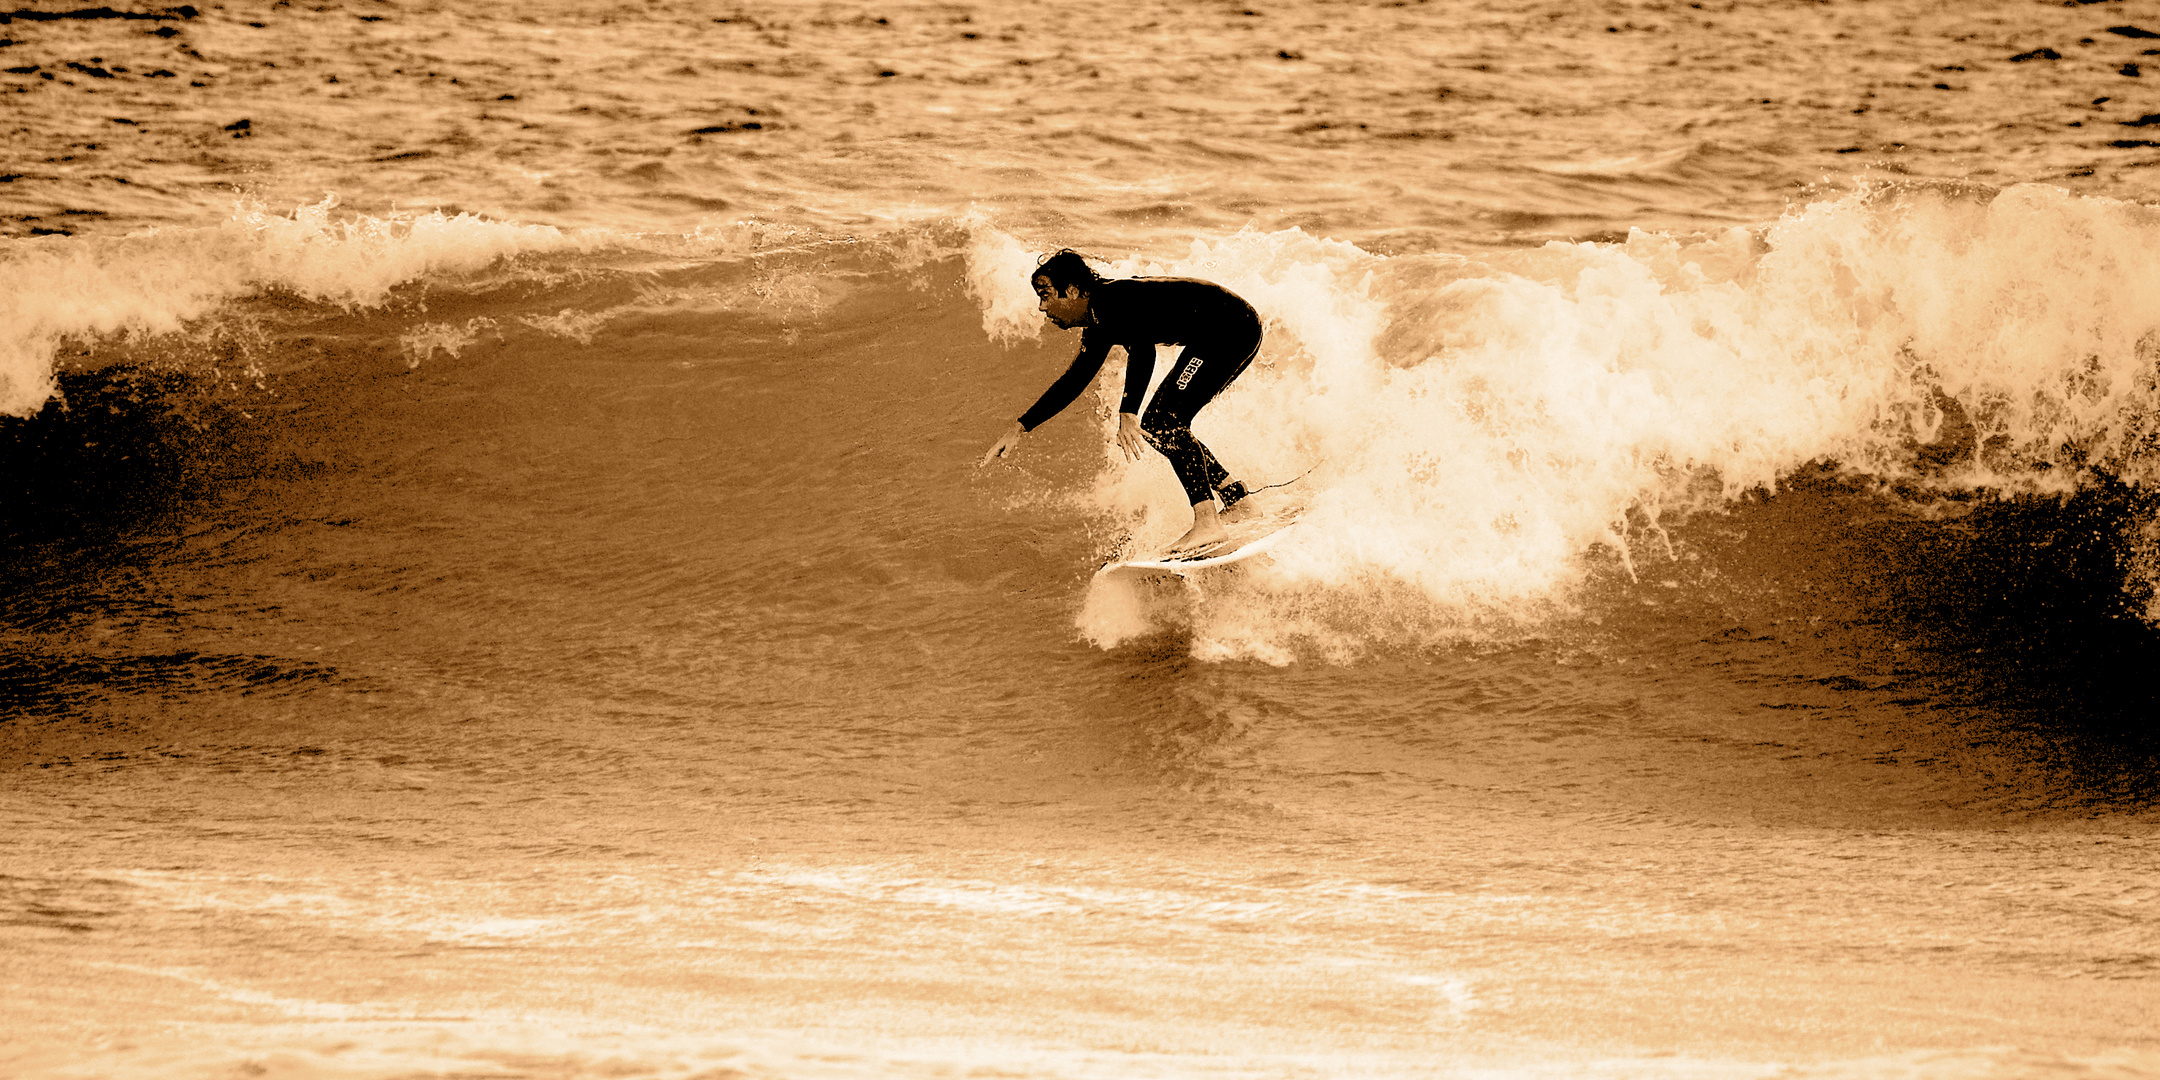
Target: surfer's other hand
1129	437
1005	445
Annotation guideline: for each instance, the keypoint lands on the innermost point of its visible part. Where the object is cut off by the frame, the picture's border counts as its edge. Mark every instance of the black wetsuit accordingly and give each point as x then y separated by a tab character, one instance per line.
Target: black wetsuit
1220	332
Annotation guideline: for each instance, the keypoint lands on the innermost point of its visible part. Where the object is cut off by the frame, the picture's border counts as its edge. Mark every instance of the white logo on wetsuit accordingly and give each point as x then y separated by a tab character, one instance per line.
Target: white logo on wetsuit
1192	367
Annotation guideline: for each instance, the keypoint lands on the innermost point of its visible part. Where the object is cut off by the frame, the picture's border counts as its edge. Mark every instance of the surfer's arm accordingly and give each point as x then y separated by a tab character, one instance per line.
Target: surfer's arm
1139	368
1067	388
1053	401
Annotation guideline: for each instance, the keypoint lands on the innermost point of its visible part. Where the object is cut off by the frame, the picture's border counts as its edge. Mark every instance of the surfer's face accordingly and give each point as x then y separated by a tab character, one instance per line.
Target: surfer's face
1068	310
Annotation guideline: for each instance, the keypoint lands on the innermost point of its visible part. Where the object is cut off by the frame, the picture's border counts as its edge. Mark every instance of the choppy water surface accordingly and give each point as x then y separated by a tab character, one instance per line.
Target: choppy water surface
1427	126
497	583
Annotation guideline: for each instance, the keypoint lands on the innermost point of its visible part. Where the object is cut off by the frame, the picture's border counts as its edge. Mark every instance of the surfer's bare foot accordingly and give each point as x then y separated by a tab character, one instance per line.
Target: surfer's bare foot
1237	503
1206	531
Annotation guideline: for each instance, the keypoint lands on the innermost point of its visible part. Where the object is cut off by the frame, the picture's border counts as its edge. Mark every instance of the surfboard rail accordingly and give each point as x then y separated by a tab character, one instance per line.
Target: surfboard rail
1247	539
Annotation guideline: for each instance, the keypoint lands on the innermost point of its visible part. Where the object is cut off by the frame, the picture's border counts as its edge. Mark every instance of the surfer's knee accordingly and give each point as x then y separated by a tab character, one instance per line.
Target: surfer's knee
1161	430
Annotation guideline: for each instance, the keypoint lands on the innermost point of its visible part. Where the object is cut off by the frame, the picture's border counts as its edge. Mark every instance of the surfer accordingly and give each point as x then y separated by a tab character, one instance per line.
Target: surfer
1221	334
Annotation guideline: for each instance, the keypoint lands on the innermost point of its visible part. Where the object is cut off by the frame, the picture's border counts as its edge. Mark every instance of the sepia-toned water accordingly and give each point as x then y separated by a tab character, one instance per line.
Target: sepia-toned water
498	584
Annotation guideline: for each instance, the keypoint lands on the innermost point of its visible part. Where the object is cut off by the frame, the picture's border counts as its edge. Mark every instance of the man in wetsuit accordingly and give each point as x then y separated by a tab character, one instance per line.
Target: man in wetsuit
1220	333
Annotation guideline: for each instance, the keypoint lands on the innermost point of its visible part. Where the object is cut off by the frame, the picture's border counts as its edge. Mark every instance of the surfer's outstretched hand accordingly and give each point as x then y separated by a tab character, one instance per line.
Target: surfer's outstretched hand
1004	445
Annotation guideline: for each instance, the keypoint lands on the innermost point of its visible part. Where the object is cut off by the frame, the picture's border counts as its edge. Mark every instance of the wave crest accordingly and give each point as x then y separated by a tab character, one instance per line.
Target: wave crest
1484	424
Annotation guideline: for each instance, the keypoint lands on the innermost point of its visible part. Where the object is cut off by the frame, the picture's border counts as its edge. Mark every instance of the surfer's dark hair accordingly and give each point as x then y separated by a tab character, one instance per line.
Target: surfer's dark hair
1066	269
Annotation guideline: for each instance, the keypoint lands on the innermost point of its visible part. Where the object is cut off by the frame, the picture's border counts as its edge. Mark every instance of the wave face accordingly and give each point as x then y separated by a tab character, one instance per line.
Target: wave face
616	602
1479	438
537	611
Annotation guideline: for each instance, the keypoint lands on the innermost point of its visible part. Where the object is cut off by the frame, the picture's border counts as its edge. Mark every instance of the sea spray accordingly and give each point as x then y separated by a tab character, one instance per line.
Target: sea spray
1482	427
2032	313
156	282
1477	436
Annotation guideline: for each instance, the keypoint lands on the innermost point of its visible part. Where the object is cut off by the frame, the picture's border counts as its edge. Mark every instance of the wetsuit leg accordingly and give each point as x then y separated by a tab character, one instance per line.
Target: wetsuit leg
1201	373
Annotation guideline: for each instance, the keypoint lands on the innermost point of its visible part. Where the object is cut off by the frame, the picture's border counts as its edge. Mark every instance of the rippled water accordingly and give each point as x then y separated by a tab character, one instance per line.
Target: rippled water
1447	126
513	597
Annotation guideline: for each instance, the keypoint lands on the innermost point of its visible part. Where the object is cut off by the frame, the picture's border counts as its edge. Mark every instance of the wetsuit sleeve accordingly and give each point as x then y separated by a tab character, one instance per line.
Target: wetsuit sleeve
1139	368
1068	386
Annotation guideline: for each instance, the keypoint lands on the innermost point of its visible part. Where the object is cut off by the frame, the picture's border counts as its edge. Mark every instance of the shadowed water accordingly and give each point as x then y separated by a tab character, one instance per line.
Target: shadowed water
567	633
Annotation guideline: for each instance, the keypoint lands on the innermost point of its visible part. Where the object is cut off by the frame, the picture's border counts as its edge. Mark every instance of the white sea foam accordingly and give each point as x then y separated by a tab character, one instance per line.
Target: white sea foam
1481	425
66	288
422	342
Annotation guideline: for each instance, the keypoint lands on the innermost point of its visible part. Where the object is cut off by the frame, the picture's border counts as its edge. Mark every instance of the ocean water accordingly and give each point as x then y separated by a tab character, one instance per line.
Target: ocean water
497	581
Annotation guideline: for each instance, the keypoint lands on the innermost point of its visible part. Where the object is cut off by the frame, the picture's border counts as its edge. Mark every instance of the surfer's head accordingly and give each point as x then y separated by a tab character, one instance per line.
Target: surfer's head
1062	285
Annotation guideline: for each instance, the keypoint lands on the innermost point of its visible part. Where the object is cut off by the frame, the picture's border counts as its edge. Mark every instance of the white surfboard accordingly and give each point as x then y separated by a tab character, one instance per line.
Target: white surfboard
1247	539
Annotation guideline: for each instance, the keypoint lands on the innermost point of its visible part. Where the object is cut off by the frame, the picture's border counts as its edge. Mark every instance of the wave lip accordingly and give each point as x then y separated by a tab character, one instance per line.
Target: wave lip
1486	433
56	289
1491	429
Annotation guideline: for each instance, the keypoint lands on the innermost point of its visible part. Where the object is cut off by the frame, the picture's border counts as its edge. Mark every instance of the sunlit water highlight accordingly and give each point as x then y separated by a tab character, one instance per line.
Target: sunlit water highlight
532	612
